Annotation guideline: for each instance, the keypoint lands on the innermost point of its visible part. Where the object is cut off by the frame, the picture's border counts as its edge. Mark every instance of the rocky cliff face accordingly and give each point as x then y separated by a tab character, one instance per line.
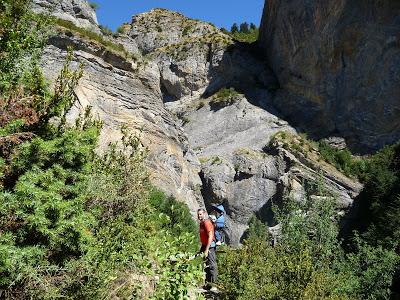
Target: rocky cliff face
338	64
204	108
121	93
245	166
78	12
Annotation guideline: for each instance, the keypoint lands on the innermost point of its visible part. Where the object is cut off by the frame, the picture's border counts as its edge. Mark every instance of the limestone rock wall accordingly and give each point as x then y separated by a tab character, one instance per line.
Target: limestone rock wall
338	64
77	11
120	96
186	51
244	170
160	27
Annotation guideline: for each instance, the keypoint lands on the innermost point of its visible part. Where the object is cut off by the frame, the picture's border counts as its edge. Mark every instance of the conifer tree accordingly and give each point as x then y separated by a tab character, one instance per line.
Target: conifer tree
234	28
244	27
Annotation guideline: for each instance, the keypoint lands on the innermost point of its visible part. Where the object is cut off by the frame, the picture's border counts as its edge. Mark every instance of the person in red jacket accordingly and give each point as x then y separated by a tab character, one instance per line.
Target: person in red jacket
207	239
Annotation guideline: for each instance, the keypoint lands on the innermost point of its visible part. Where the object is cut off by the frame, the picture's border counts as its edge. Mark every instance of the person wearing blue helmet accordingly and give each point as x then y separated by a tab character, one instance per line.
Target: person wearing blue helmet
219	212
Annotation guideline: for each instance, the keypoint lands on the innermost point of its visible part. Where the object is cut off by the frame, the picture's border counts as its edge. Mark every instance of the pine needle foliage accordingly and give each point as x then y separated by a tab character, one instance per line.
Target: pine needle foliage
22	36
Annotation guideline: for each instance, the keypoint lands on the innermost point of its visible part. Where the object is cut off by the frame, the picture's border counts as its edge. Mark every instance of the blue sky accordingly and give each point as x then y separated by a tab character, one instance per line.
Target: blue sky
222	13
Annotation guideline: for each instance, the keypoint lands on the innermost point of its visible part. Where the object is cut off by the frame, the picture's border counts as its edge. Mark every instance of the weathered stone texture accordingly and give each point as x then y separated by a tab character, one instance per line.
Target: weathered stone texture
119	97
78	12
338	64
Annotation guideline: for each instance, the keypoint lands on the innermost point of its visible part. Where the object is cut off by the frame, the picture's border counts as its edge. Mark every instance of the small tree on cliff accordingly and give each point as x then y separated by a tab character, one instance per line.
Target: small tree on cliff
244	27
234	28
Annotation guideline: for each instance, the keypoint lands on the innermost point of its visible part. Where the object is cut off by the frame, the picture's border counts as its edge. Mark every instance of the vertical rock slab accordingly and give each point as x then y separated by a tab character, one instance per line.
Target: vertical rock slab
338	64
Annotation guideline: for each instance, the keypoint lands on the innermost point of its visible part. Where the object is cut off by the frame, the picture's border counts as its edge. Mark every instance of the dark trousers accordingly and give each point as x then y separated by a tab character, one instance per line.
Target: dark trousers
211	264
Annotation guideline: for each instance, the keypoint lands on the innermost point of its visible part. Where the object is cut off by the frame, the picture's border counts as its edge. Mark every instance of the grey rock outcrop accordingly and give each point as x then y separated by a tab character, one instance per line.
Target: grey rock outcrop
338	64
235	171
122	95
78	12
244	170
305	171
192	56
185	50
160	27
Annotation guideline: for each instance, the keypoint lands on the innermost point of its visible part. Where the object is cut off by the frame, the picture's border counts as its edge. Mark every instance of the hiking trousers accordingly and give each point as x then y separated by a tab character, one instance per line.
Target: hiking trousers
211	268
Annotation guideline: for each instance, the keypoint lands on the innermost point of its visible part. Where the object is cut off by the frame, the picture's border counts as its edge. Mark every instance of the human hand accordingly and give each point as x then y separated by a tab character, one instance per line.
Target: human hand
206	253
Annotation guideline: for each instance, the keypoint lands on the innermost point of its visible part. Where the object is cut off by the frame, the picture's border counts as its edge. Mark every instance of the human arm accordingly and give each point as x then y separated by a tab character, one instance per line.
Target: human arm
210	240
210	233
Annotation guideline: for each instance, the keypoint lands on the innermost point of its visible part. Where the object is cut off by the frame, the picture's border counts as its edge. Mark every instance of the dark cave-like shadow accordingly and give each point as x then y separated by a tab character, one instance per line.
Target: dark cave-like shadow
244	68
240	69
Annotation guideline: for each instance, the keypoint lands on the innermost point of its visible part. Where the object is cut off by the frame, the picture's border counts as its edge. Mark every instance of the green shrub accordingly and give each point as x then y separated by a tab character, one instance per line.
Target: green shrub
105	30
257	229
378	218
42	211
76	224
178	219
224	97
23	35
259	271
308	262
176	270
121	29
341	159
373	268
93	36
91	222
226	93
94	5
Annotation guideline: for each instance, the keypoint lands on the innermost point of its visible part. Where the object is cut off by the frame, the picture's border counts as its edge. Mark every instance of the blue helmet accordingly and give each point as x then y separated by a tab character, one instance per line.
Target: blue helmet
219	208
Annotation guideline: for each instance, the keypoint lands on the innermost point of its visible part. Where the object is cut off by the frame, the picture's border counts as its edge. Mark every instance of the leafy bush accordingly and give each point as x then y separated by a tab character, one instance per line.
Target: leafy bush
257	230
373	269
42	210
308	262
342	159
22	35
179	218
379	217
224	97
226	93
88	221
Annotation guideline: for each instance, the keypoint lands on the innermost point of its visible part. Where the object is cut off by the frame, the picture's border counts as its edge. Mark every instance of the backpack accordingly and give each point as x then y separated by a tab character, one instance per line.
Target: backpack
219	223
